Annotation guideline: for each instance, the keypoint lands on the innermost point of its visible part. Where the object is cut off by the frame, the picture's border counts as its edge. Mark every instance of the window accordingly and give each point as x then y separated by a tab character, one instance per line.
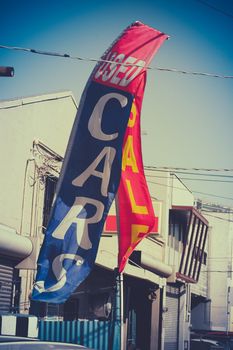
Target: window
50	187
200	256
178	222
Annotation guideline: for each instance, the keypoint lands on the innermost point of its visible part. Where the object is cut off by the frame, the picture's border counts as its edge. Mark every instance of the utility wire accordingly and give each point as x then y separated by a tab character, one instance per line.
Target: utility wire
212	195
192	179
216	217
65	55
189	169
204	180
220	258
183	189
217	207
216	8
224	271
191	173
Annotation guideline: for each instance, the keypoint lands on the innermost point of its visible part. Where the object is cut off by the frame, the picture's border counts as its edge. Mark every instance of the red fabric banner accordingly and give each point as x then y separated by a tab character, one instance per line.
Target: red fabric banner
136	214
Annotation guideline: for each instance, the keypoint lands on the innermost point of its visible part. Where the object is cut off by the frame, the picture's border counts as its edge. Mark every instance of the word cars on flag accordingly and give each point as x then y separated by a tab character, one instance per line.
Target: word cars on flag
91	171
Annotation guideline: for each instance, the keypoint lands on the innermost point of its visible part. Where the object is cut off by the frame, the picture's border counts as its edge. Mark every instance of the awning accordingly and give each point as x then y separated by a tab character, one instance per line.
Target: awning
14	245
150	263
108	260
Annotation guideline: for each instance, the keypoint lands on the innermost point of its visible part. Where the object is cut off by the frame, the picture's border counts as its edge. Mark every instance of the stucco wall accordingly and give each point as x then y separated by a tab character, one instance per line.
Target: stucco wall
47	118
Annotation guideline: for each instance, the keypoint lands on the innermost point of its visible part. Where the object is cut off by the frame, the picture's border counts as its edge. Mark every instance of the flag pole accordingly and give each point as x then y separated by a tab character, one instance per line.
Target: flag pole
120	283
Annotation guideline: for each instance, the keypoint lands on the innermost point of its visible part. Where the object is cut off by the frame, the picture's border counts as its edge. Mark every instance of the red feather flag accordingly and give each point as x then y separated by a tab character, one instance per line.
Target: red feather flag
136	214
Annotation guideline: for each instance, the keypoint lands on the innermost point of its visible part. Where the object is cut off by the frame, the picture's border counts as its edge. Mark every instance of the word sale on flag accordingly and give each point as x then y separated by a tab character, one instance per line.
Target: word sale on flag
91	170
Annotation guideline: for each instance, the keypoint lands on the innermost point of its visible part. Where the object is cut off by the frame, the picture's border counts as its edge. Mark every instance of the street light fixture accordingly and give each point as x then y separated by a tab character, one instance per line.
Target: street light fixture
6	71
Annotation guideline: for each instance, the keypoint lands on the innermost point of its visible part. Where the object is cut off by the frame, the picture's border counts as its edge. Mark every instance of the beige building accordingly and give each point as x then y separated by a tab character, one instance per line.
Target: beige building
33	137
35	131
157	278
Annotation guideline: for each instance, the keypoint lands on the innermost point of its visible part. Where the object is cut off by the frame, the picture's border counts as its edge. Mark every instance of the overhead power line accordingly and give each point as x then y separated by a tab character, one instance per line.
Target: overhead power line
223	271
192	179
219	258
212	195
65	55
216	208
216	8
192	173
204	180
216	217
188	169
193	191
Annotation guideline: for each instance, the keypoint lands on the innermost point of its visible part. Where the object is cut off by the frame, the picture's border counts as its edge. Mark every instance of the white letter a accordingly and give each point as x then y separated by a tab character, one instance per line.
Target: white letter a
109	154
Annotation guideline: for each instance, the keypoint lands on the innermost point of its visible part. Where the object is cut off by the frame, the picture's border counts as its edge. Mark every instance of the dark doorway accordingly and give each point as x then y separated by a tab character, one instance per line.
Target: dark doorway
71	310
138	310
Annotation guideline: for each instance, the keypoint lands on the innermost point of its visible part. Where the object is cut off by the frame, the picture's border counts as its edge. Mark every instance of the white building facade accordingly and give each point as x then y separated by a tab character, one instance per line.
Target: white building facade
215	312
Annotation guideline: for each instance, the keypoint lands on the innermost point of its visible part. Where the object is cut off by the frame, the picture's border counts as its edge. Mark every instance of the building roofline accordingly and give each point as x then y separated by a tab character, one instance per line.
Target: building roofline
16	102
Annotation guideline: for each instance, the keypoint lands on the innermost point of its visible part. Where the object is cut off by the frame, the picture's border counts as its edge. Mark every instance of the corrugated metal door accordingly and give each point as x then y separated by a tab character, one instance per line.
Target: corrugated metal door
171	318
6	287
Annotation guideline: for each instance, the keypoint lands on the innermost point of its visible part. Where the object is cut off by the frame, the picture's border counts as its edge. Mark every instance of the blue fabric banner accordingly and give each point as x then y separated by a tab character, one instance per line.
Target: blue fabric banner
87	186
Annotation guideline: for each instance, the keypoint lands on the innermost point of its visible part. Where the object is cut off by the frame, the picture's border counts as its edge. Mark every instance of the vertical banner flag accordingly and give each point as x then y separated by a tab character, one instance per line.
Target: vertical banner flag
91	171
135	209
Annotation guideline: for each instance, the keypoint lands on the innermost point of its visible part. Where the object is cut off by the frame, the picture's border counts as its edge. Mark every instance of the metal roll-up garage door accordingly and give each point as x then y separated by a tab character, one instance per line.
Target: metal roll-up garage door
6	286
171	319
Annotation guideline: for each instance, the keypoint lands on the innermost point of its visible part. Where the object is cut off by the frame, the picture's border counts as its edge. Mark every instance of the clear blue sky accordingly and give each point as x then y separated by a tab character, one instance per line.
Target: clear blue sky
187	120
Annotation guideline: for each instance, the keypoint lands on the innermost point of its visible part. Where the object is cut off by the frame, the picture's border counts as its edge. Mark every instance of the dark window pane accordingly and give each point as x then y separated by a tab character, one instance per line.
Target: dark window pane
50	187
